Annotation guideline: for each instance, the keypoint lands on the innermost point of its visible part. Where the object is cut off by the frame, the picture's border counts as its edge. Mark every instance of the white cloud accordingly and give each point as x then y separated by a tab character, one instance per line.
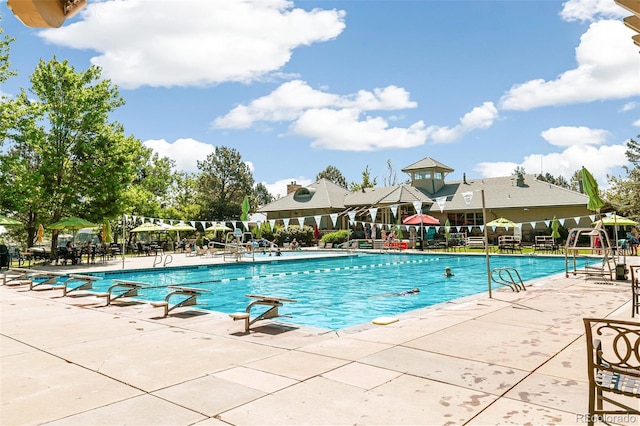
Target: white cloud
194	42
629	106
608	64
636	123
589	10
186	152
279	188
568	136
343	130
600	160
481	117
293	98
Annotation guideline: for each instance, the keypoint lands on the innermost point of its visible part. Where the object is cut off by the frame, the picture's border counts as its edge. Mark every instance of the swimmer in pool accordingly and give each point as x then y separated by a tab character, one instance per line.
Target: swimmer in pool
402	293
448	273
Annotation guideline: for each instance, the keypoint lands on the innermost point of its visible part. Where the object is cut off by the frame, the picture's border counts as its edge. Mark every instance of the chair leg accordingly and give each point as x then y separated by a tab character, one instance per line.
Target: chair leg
592	396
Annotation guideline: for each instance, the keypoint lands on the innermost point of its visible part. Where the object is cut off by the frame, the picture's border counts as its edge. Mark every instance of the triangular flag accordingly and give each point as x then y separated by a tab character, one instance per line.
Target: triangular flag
318	218
334	218
417	205
577	219
286	223
272	224
394	209
352	216
373	212
441	202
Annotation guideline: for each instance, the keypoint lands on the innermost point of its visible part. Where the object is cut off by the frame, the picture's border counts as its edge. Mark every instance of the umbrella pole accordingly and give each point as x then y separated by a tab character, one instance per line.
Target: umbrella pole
486	242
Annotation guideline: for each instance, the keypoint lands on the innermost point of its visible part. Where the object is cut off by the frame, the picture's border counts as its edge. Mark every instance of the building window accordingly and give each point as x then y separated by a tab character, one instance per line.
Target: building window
425	174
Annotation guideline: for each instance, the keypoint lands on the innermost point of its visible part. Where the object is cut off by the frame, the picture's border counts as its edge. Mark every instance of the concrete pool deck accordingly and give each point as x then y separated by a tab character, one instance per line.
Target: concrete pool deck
517	358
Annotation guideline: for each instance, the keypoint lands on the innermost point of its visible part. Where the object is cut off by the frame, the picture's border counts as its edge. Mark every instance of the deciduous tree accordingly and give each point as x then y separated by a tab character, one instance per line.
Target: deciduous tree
63	147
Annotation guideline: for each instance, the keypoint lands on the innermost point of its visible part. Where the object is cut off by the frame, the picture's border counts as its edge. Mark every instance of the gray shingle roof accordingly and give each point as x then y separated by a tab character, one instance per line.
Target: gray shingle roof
397	194
503	192
324	194
428	163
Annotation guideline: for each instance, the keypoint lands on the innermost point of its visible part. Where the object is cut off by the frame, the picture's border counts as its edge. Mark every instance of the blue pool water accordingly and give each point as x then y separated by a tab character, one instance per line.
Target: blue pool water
335	293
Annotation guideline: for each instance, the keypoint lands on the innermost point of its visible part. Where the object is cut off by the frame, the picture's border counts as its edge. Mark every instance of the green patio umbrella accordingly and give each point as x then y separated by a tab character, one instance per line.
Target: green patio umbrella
399	233
590	187
245	209
555	234
8	221
73	223
447	230
107	238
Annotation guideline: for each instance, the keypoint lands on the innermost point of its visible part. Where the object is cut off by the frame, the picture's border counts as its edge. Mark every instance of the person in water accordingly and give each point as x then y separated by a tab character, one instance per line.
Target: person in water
402	293
448	273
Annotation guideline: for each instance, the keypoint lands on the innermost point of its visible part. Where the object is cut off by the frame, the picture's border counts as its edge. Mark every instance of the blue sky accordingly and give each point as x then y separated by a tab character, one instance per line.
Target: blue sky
295	86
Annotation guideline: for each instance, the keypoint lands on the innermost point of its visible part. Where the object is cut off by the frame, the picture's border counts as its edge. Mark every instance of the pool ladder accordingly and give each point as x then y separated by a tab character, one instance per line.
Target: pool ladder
508	277
158	260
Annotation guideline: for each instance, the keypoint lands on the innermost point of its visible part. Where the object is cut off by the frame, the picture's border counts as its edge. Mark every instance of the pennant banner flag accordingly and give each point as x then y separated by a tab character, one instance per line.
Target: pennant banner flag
334	218
286	223
394	210
417	205
352	216
441	201
373	212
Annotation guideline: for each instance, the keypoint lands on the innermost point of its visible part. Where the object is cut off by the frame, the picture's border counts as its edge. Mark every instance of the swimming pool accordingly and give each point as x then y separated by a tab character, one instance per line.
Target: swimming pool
336	293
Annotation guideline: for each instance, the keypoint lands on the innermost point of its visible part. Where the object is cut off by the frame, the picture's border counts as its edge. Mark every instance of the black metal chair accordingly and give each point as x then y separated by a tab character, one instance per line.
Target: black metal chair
613	362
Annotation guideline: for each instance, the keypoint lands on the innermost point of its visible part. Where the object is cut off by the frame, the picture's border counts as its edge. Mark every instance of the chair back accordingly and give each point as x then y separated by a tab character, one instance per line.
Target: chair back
613	362
613	345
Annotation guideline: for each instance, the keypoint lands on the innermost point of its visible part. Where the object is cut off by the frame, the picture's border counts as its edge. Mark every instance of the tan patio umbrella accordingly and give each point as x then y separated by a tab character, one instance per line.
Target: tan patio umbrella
180	227
148	227
614	219
502	222
218	227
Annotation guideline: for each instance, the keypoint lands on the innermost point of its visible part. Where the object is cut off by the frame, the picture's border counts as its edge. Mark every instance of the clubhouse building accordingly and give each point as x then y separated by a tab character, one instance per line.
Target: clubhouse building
530	203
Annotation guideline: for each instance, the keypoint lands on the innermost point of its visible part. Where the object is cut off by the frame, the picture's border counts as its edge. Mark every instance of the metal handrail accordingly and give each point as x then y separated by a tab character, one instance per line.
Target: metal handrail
508	277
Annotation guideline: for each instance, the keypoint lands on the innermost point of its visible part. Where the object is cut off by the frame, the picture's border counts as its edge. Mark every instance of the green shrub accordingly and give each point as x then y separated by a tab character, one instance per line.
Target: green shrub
337	237
303	235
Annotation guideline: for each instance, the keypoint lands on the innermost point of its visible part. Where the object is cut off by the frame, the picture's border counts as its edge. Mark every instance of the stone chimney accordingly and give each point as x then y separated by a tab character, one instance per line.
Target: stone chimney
293	187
